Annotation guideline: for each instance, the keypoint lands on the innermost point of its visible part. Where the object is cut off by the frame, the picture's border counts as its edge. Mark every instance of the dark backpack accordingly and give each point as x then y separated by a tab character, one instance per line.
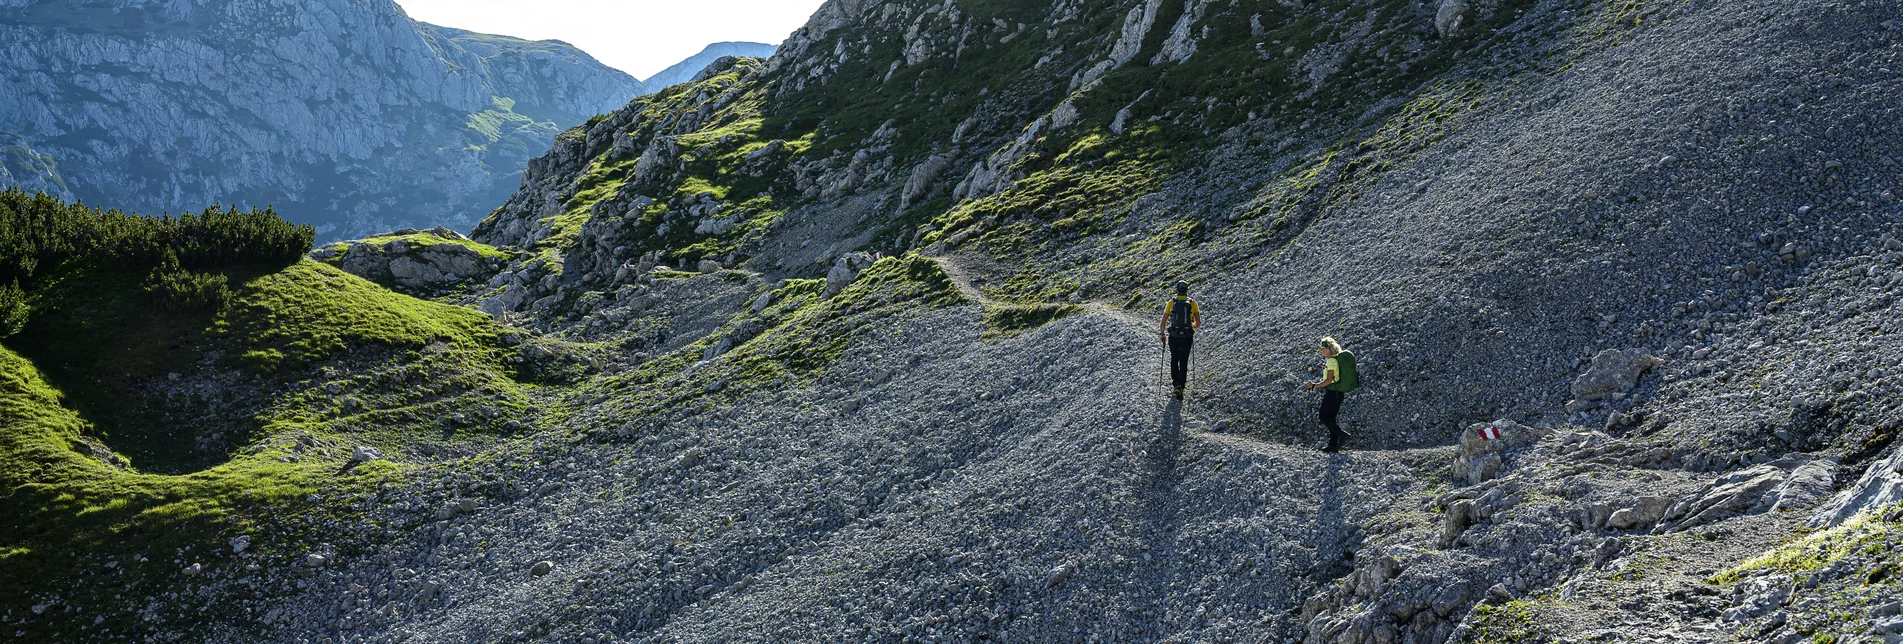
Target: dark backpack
1347	378
1180	320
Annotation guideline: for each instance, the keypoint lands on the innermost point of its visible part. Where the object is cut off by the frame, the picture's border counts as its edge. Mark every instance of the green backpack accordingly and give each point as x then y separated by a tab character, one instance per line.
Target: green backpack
1349	379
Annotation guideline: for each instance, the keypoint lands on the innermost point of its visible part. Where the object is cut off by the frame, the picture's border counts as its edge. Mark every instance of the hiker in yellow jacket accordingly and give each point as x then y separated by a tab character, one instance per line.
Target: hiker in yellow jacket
1338	378
1181	318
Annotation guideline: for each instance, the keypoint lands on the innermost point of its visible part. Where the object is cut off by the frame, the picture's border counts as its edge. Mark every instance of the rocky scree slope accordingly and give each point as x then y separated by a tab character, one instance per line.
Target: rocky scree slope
347	115
1653	245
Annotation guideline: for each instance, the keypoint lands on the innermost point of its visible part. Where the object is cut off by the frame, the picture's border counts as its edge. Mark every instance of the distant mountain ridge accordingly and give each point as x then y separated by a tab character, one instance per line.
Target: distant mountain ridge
347	115
685	70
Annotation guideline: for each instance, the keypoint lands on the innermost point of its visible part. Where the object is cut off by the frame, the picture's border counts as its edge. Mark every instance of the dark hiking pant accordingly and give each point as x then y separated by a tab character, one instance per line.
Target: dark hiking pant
1331	406
1179	358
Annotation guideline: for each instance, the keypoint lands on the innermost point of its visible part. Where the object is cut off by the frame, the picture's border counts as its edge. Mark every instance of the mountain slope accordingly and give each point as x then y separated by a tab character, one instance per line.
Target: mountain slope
861	340
685	70
346	115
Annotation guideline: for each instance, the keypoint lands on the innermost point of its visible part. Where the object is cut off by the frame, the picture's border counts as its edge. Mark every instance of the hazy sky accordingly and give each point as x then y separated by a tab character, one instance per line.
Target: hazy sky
640	37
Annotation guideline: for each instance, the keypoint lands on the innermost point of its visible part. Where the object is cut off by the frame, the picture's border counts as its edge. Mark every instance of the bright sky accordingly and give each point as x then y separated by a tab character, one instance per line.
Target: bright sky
640	37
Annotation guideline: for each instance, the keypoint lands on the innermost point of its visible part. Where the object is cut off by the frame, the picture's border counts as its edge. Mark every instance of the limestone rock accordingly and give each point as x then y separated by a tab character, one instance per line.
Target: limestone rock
1644	511
845	270
920	182
1791	482
1452	15
1181	43
1880	485
414	261
1460	515
1613	371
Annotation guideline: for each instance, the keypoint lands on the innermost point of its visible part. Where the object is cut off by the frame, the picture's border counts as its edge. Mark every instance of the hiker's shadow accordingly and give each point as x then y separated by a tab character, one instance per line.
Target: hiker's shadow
1160	463
1332	532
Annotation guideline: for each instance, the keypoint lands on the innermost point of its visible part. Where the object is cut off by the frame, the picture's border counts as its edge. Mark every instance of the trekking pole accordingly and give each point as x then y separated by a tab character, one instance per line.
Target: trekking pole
1163	375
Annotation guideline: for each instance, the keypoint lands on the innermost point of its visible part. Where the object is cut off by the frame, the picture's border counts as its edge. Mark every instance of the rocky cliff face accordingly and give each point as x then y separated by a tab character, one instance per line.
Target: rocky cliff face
345	114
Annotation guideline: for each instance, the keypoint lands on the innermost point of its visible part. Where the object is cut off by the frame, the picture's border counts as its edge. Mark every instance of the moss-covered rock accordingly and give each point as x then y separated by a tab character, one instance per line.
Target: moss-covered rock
418	262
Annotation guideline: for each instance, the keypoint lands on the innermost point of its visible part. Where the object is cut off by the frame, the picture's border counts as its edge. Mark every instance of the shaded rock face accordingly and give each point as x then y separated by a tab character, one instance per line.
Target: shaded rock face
347	115
26	168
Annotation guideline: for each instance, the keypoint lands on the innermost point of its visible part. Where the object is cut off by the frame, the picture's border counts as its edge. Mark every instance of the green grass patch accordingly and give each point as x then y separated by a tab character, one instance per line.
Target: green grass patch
1510	623
424	240
70	514
1012	321
311	310
796	338
1866	533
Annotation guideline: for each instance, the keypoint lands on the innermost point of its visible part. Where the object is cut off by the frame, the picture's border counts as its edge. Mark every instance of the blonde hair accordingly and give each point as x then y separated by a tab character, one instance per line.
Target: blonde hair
1330	344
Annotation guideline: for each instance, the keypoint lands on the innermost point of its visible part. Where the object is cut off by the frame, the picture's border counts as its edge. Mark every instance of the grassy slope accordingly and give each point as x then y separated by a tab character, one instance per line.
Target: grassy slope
802	333
286	337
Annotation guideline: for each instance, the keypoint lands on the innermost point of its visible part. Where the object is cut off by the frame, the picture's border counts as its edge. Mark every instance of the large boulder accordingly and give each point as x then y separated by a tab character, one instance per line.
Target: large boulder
845	270
1613	372
1451	16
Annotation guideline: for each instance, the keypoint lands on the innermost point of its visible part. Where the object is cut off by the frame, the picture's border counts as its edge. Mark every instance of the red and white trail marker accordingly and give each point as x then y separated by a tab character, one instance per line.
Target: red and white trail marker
1490	433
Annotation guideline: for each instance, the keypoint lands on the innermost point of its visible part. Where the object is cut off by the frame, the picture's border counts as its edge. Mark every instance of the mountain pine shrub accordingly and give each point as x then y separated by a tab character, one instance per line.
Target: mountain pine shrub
39	231
13	309
175	289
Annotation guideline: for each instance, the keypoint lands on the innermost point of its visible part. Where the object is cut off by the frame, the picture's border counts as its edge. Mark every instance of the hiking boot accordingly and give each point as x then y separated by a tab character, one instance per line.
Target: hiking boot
1179	393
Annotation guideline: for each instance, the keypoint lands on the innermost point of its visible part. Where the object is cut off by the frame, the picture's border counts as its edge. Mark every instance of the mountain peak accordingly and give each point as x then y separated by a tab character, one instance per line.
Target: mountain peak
685	70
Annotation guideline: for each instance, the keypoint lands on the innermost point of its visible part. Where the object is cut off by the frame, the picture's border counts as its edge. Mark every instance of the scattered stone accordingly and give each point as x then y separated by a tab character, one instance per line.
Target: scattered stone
541	568
1060	574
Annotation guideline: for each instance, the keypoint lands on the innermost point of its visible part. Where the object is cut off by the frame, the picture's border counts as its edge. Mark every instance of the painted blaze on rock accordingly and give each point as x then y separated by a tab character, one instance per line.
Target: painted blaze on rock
1479	458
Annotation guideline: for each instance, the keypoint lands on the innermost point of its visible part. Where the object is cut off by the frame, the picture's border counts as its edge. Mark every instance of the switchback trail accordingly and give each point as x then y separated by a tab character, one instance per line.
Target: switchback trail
961	279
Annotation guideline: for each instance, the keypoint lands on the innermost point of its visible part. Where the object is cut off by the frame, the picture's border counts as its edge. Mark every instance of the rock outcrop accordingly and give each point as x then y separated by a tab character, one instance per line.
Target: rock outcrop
416	262
1881	485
